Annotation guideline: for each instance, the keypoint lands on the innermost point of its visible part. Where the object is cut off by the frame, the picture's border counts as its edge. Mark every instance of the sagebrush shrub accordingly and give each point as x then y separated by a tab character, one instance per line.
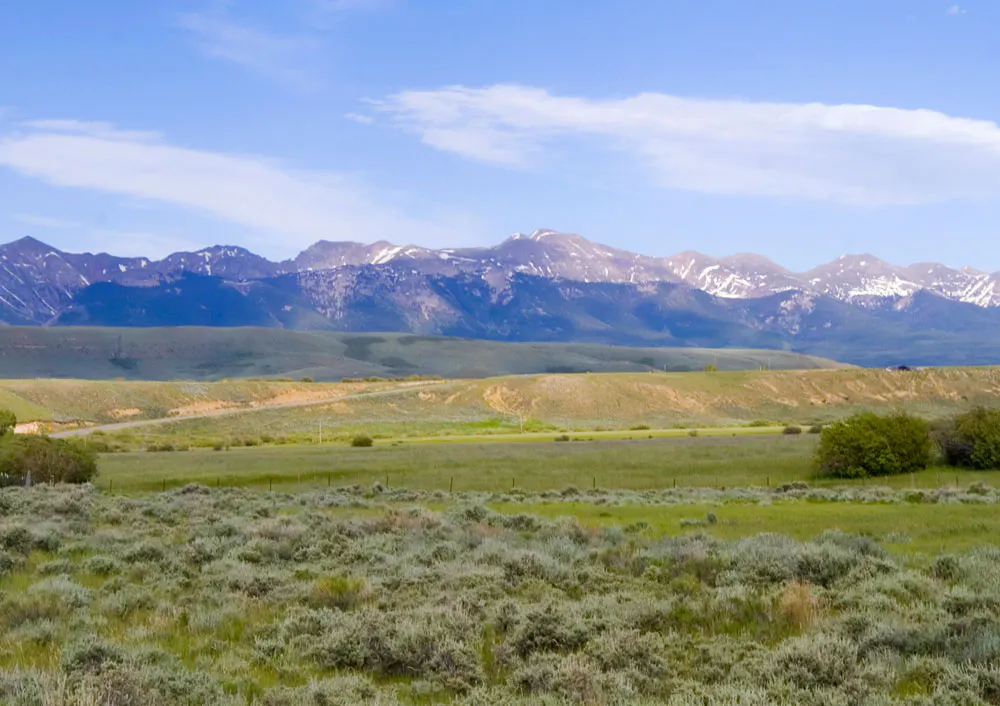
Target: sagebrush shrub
339	592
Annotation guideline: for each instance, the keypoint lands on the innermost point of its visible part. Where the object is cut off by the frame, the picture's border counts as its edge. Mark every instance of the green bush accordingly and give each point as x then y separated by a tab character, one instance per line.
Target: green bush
791	430
362	441
816	429
160	448
47	460
868	445
972	440
8	420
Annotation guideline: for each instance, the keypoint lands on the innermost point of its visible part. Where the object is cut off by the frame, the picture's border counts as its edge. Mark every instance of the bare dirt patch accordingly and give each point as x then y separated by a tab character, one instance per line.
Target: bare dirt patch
124	412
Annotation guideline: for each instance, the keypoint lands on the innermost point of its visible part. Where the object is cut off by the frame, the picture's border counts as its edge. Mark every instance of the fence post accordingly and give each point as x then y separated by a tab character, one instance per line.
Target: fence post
451	484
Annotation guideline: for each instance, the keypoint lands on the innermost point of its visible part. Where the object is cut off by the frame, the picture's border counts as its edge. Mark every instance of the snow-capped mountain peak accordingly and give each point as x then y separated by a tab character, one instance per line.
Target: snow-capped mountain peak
36	280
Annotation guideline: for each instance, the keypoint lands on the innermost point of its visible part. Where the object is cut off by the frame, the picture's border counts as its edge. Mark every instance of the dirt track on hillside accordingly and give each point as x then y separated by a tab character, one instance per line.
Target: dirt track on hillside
229	411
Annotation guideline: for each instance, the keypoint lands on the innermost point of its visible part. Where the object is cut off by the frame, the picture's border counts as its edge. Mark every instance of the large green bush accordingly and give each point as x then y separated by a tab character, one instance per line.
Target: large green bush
8	420
972	439
47	460
871	445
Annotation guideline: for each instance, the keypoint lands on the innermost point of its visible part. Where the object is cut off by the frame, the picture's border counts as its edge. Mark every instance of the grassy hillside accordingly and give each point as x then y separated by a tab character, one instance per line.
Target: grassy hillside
106	402
218	353
548	404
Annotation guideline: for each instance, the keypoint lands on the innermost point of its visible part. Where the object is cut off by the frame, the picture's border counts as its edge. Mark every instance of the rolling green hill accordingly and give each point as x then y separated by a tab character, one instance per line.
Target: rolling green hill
194	353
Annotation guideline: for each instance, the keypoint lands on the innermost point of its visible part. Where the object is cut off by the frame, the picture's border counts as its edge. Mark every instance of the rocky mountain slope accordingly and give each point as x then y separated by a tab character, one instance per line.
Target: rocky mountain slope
546	286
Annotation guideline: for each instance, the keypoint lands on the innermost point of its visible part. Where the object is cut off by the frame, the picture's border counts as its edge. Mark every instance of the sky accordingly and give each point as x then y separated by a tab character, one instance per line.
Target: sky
798	130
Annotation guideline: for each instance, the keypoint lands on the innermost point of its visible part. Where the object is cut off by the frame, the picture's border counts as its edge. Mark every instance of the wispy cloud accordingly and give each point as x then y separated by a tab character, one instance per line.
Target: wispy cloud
351	5
956	10
848	153
289	58
294	56
277	202
30	219
127	243
359	118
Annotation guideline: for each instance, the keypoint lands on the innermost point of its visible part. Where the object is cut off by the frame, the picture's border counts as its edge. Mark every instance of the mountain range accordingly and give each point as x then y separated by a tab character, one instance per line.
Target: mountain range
546	286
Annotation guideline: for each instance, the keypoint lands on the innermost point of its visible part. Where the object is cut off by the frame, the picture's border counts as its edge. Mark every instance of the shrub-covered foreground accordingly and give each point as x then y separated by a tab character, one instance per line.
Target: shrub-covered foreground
228	597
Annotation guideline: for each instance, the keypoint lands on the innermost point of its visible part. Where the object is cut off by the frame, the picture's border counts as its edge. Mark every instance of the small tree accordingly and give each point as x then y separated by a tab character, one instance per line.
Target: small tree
711	368
8	420
972	440
362	441
46	460
871	445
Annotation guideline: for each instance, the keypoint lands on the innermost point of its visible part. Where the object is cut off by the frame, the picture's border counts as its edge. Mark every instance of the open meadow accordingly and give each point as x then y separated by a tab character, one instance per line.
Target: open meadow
628	539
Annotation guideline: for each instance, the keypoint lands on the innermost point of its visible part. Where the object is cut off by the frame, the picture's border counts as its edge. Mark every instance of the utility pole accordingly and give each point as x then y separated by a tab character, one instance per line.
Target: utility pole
320	432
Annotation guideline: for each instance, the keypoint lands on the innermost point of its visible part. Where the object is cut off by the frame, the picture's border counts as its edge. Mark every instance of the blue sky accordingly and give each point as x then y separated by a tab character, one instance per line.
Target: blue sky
800	130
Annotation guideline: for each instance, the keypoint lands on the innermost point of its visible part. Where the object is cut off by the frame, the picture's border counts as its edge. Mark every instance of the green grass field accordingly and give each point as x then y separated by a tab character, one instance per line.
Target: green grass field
716	463
722	461
900	527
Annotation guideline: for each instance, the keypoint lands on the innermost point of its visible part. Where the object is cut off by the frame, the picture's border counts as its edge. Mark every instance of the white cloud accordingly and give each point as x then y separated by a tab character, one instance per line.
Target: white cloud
30	219
358	118
93	128
290	59
956	10
268	197
848	153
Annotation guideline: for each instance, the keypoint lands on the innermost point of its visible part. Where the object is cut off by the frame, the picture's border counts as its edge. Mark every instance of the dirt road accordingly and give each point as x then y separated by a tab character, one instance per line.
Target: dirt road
119	426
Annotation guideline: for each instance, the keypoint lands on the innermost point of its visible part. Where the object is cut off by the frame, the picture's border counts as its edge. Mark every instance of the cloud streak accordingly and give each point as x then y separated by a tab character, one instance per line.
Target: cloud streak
845	153
263	195
30	219
286	58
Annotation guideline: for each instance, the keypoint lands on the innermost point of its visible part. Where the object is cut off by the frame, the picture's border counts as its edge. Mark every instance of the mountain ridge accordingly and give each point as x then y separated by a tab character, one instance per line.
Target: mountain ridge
550	253
543	286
